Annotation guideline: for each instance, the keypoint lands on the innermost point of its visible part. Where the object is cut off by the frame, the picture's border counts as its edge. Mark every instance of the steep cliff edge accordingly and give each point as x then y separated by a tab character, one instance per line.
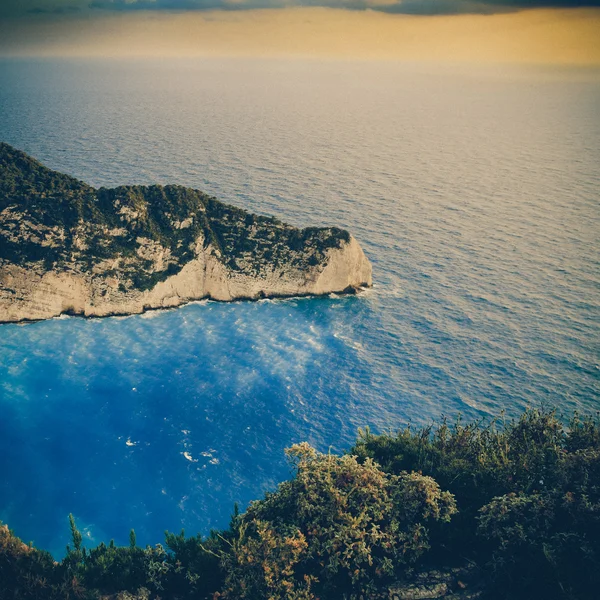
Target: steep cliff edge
66	247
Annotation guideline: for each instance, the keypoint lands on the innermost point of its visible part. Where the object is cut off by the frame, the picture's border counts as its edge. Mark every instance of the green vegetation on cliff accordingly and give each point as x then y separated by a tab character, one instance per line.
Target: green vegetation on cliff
141	233
528	497
519	504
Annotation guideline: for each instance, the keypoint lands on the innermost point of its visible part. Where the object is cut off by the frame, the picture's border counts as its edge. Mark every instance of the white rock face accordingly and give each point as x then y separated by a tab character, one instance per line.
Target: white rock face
66	247
28	294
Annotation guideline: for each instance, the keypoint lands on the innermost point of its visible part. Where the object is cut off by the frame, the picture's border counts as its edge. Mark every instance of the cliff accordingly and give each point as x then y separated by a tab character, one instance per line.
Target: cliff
66	247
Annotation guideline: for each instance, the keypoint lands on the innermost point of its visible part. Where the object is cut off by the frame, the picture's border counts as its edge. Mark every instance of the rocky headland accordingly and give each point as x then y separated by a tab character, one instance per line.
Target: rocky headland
68	248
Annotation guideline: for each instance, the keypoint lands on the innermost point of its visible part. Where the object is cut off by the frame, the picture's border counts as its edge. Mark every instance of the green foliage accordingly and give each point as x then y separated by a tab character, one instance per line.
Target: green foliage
195	564
114	568
27	183
183	568
54	220
75	534
549	540
266	563
540	545
528	496
30	574
338	527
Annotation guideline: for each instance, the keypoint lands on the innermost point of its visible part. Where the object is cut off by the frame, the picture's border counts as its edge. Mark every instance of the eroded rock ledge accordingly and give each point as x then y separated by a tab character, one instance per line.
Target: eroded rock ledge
66	247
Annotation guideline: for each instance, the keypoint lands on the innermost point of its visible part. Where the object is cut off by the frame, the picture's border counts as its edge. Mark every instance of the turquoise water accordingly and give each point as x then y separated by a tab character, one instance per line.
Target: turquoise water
474	194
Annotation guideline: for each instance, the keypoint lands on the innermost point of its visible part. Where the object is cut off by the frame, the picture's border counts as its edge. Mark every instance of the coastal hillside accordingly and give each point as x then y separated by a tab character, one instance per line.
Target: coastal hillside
66	247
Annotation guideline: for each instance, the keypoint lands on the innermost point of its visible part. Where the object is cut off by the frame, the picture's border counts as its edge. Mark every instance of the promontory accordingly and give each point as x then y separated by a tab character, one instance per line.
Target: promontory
66	247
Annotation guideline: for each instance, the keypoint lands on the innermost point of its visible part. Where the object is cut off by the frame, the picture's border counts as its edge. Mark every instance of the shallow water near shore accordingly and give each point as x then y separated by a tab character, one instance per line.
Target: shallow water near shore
474	194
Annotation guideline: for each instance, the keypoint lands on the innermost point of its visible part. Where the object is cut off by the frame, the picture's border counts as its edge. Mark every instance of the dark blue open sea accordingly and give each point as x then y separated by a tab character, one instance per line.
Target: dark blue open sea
476	195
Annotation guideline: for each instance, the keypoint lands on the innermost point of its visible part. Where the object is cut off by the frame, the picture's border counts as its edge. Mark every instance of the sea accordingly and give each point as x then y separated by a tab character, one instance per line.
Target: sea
474	191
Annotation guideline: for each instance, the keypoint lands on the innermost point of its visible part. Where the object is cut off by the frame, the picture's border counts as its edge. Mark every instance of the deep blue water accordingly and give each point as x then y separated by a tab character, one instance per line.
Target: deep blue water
474	194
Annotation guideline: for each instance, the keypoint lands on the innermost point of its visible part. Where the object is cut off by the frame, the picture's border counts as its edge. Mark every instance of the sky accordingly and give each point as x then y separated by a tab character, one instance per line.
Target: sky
500	31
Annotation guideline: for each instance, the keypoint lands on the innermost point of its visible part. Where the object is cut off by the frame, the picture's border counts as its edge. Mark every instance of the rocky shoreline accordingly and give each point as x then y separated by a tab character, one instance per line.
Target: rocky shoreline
67	248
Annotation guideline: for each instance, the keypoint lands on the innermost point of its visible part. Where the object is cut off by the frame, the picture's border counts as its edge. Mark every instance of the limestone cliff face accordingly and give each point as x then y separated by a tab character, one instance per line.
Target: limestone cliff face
68	248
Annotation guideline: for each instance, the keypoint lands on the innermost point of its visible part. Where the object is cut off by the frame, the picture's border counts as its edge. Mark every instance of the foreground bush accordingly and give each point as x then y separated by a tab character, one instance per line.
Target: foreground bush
337	528
528	500
183	568
528	496
30	574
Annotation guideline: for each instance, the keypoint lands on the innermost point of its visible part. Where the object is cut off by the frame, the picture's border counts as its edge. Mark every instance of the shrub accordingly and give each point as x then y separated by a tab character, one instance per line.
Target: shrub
337	528
528	495
186	568
30	574
548	542
195	563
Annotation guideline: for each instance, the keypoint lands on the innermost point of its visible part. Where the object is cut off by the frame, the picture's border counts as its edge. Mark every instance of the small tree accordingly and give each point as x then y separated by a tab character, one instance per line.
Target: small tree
337	528
74	560
75	534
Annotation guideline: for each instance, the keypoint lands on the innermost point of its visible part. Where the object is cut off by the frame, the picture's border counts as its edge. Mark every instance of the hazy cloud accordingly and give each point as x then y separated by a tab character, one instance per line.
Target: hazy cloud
200	5
412	7
409	7
524	37
56	10
455	7
126	5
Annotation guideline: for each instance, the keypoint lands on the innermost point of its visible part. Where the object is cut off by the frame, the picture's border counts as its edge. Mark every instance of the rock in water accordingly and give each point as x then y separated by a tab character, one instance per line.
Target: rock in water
66	247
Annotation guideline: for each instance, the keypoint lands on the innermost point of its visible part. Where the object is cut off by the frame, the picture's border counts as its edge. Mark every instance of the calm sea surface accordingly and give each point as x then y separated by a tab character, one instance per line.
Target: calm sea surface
475	195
